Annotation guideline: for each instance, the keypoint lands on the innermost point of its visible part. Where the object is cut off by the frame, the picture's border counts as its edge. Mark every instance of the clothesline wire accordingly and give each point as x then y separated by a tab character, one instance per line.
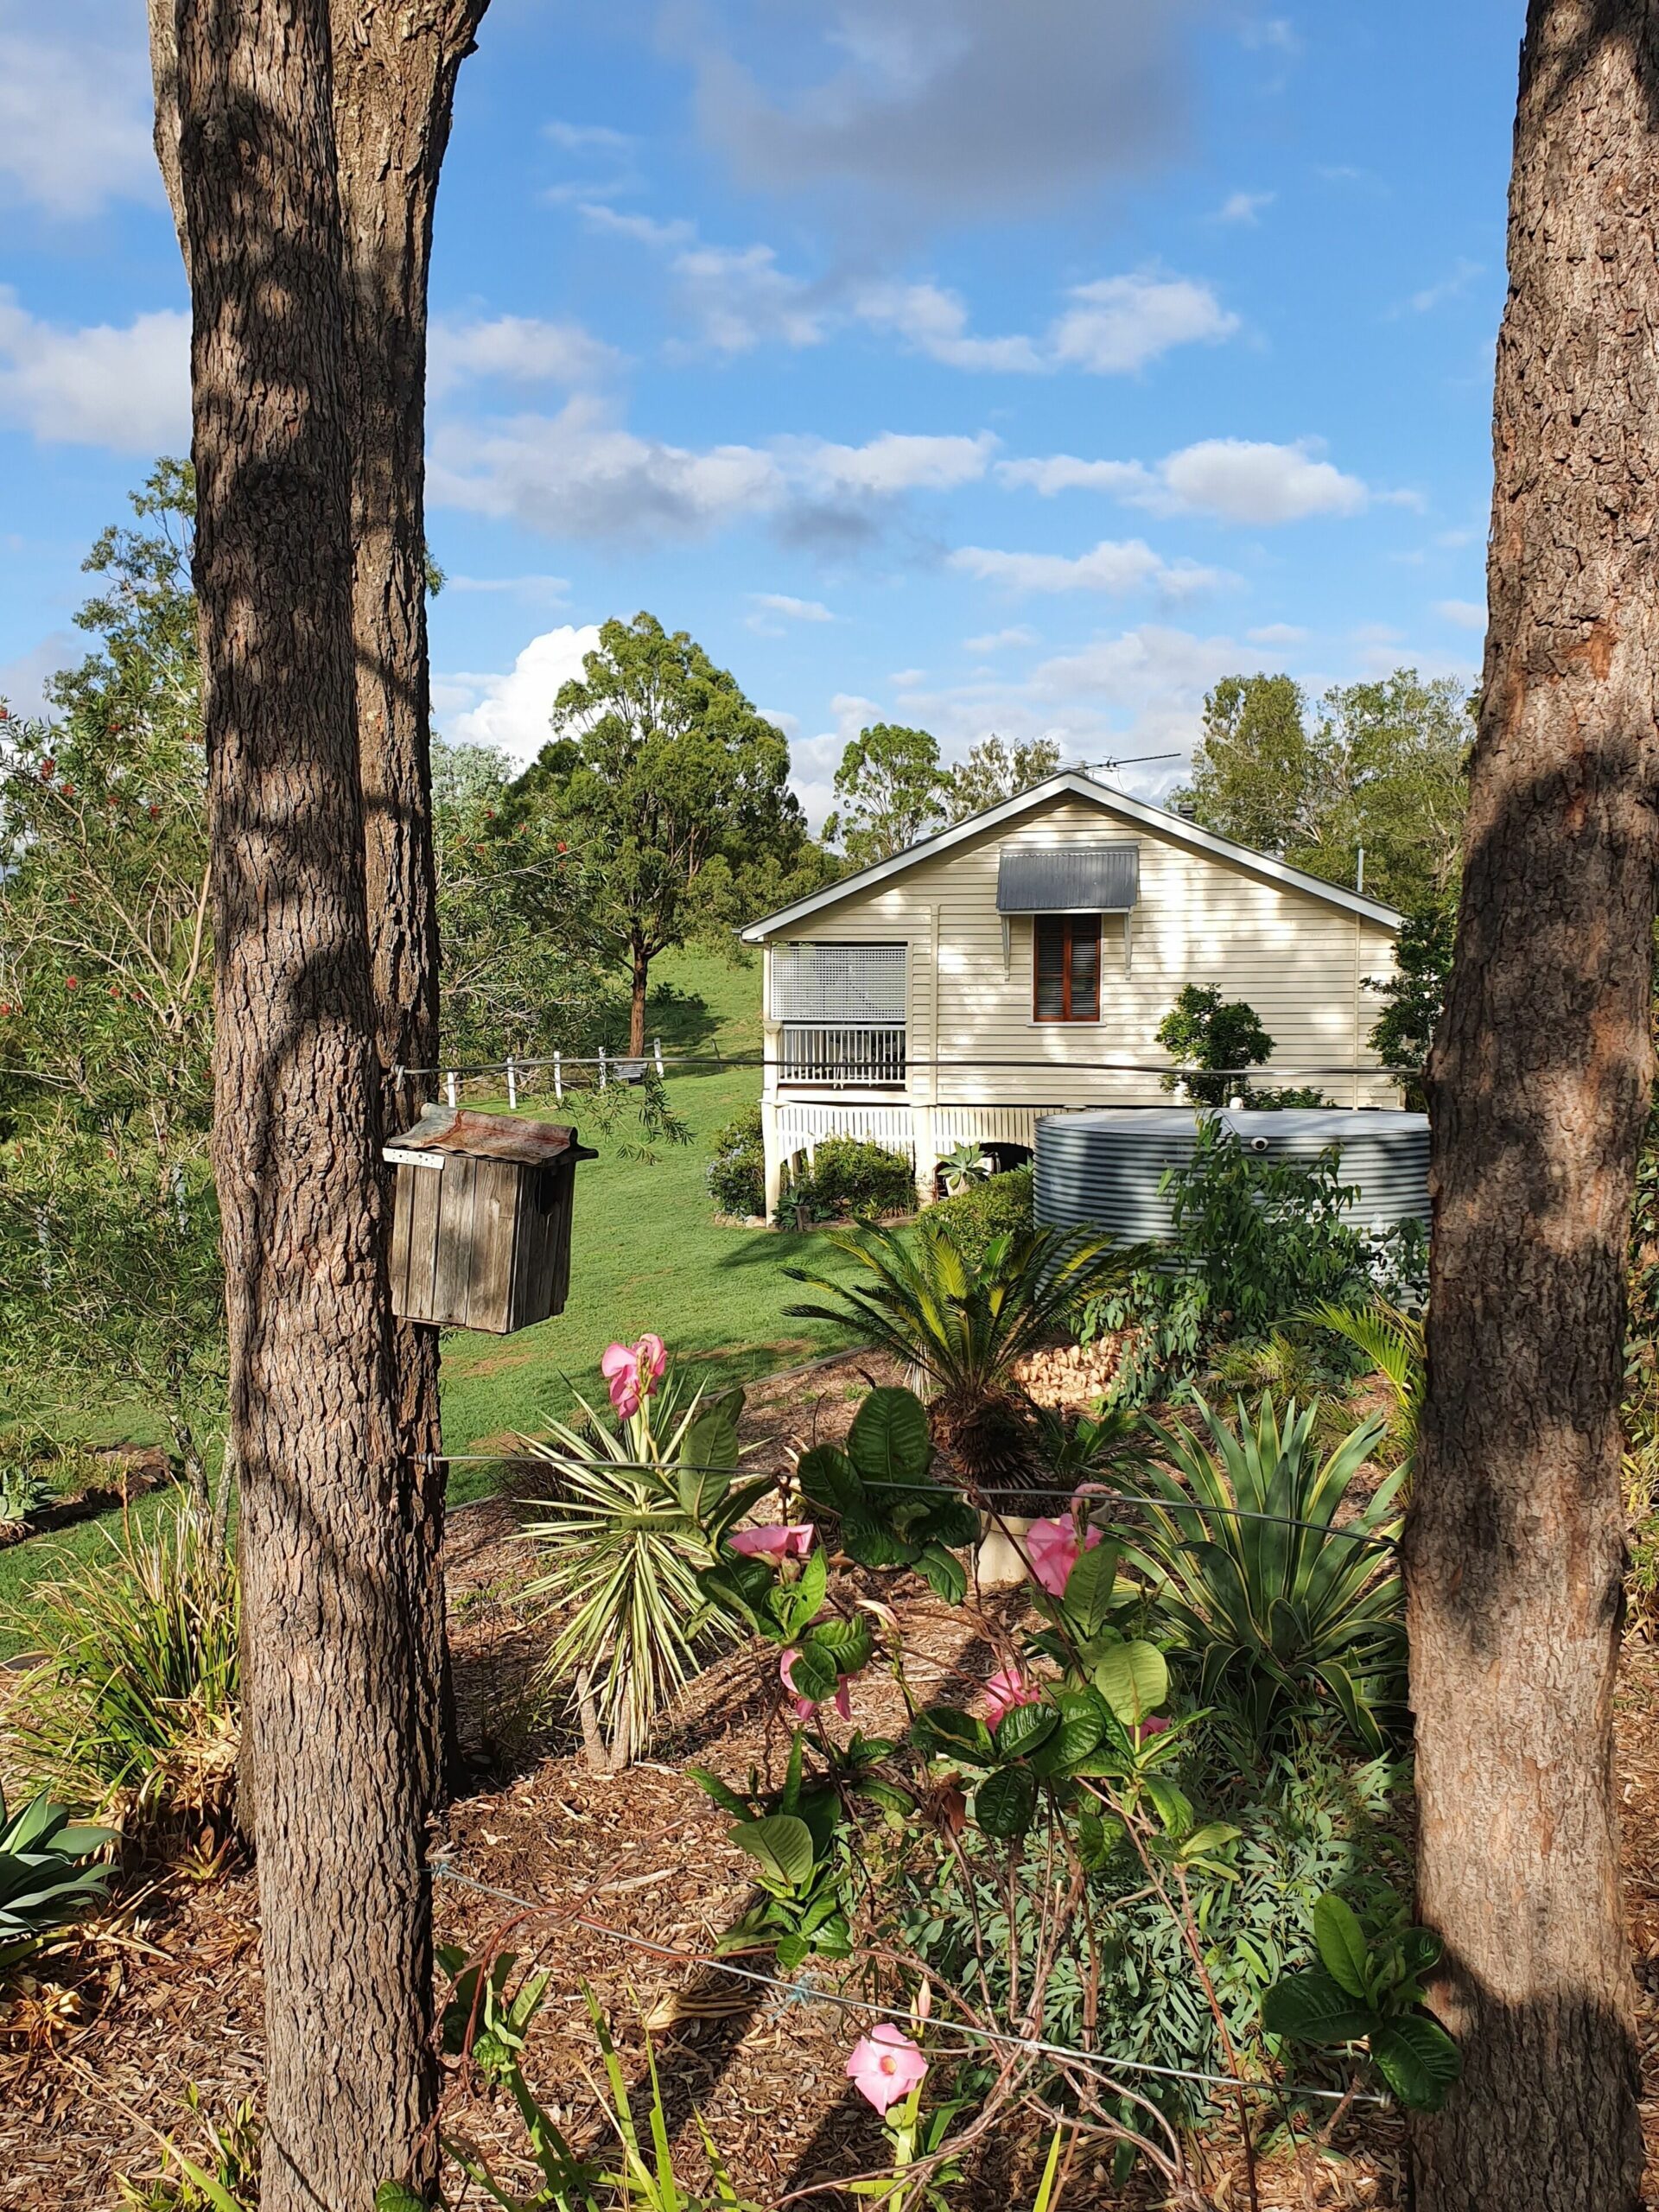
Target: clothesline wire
998	1491
802	1993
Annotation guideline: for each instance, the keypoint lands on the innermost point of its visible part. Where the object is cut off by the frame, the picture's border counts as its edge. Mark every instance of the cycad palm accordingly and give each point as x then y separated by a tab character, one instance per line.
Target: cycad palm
1394	1342
1275	1610
961	1325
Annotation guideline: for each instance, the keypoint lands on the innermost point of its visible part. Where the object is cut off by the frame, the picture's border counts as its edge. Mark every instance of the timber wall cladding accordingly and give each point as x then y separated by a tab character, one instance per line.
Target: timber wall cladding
481	1226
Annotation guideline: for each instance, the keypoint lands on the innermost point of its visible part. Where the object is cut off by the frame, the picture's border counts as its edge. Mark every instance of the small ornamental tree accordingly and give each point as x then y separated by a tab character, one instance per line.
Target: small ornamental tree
1212	1040
890	791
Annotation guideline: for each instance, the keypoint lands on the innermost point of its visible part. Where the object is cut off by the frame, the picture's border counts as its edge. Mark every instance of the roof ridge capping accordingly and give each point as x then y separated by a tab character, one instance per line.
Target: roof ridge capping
1073	780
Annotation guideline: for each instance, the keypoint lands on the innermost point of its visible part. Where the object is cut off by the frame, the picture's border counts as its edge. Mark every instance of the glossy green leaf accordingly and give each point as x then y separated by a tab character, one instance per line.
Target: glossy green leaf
781	1844
1022	1729
944	1574
955	1734
1312	2008
1133	1679
889	1440
1005	1801
1417	2059
813	1674
1340	1941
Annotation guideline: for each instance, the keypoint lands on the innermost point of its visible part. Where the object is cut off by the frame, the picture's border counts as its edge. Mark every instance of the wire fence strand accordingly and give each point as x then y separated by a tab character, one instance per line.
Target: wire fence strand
801	1992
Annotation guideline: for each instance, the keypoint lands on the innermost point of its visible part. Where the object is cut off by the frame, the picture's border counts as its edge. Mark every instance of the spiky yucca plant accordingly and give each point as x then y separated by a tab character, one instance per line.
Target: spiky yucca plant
642	1504
1278	1614
961	1325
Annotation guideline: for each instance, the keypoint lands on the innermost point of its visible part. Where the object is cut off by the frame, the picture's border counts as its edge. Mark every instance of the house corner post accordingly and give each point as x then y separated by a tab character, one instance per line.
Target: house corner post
774	1156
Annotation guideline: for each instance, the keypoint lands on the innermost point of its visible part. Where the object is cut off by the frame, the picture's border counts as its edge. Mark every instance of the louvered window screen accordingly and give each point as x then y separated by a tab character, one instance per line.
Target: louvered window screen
848	983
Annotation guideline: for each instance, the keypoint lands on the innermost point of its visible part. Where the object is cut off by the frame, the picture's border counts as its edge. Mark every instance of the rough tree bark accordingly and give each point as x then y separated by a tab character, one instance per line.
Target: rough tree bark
395	72
395	64
1539	1083
345	1905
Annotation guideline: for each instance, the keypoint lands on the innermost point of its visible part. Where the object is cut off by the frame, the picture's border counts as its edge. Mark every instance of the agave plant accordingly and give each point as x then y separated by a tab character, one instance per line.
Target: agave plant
43	1883
642	1506
1250	1571
961	1325
1395	1344
963	1167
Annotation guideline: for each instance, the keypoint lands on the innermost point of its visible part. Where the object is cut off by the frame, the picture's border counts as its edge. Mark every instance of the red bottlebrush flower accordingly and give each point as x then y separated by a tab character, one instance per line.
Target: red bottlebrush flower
48	767
563	847
115	991
489	814
112	800
154	813
3	1009
68	790
72	982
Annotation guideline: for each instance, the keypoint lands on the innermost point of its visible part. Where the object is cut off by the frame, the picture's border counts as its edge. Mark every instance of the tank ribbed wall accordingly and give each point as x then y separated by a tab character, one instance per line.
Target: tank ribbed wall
1102	1169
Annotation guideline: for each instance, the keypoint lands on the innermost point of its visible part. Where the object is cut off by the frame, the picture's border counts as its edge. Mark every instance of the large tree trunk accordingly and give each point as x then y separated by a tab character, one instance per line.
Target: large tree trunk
345	1904
395	71
1540	1084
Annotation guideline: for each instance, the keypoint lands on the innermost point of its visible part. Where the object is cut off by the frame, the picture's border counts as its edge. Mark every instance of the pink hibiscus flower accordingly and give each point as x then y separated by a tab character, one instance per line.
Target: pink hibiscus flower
1052	1548
1006	1690
806	1707
885	2065
789	1539
632	1372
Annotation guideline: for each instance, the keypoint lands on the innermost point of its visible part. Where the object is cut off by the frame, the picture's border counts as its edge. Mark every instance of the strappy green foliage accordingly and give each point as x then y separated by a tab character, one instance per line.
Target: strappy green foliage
961	1325
1393	1341
1277	1615
642	1505
43	1883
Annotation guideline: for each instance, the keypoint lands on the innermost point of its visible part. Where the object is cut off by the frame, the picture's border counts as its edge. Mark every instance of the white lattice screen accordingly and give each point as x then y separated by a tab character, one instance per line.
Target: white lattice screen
828	984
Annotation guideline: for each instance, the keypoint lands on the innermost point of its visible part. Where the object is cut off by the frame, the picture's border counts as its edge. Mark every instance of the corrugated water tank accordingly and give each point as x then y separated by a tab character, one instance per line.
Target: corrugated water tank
1102	1168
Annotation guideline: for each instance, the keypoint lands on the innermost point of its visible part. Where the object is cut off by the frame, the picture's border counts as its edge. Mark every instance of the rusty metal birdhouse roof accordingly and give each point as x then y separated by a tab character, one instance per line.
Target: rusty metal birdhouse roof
492	1136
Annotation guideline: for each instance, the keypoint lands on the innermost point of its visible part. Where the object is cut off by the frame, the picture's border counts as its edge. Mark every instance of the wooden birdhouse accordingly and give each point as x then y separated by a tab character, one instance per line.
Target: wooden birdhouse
481	1236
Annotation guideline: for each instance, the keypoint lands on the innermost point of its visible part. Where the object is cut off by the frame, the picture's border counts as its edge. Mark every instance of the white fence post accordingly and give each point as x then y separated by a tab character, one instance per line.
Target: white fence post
513	1083
657	1044
558	1076
601	1067
449	1087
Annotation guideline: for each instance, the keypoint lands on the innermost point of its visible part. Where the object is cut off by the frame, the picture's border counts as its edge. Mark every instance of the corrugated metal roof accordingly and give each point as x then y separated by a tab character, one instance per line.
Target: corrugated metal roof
1068	879
492	1136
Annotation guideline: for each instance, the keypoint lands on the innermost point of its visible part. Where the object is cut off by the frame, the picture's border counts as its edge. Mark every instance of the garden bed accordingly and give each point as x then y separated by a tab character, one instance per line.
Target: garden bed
614	1881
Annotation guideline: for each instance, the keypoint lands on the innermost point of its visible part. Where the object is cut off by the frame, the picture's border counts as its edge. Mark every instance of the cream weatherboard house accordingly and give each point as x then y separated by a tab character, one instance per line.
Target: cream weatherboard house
1019	963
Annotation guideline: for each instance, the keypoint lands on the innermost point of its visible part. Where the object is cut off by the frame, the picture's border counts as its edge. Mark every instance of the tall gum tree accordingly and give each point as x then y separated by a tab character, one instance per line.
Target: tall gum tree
330	1691
396	63
1539	1083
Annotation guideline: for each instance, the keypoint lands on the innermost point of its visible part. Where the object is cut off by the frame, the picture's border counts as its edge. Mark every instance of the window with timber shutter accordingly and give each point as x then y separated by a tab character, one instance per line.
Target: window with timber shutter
1066	967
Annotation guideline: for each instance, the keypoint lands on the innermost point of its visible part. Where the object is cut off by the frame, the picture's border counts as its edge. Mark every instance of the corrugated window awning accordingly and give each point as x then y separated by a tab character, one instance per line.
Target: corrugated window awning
1069	879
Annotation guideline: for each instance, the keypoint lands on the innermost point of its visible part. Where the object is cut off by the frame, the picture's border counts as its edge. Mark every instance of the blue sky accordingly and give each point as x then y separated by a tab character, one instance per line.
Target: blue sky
977	365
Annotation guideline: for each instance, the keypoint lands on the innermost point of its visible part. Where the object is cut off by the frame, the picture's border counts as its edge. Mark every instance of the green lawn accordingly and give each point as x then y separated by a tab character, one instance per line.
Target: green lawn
646	1253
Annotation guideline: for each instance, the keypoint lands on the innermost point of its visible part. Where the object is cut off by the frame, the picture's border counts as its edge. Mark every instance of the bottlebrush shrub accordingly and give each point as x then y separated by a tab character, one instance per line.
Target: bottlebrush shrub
737	1173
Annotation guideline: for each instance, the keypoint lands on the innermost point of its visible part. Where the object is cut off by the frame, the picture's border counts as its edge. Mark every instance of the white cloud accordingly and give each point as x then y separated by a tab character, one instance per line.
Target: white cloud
935	322
1449	287
23	681
1120	565
548	589
1235	479
798	610
517	349
580	473
127	389
1273	32
512	711
997	641
1464	613
911	106
587	137
1244	207
643	228
894	461
1119	323
738	297
1277	634
75	106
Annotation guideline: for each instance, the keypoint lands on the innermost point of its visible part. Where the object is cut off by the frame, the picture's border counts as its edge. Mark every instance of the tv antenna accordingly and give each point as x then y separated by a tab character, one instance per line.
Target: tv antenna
1112	764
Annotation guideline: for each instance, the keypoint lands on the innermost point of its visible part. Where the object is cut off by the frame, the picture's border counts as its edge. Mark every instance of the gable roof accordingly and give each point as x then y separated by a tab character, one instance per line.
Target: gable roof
1071	783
